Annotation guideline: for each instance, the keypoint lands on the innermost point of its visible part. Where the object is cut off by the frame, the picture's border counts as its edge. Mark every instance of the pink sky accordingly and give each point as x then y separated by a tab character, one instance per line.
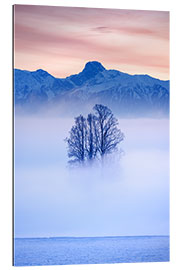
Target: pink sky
61	40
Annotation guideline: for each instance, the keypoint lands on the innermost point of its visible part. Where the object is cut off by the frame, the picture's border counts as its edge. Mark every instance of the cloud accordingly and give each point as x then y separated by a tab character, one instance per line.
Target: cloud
133	31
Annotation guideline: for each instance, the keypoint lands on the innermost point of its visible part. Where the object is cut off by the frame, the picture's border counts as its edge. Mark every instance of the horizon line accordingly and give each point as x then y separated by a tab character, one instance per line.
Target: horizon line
51	237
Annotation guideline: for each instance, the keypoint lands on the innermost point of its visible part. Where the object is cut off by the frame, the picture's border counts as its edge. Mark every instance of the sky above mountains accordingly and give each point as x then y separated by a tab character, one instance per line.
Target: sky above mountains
62	39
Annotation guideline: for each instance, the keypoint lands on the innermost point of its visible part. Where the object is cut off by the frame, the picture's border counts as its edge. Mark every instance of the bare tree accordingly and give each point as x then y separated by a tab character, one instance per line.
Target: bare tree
91	144
94	137
108	134
76	141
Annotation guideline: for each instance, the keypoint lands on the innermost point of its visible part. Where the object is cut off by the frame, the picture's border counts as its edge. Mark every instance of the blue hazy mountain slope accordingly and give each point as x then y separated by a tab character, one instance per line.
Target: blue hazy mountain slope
131	95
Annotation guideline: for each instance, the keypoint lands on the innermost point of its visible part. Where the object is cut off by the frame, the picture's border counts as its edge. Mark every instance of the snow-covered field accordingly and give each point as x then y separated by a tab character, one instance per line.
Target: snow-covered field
58	251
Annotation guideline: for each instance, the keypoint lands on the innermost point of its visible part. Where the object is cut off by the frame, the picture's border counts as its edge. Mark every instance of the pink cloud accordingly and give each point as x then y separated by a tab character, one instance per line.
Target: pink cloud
129	30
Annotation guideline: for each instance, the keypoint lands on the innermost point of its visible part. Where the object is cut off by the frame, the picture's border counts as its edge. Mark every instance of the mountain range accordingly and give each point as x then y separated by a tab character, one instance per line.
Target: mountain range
127	95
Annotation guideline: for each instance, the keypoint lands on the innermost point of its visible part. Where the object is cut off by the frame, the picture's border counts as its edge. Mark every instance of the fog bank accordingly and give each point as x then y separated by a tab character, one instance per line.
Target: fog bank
129	196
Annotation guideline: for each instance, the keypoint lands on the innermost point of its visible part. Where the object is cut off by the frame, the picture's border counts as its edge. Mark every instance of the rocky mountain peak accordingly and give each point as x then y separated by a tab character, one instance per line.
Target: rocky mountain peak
93	67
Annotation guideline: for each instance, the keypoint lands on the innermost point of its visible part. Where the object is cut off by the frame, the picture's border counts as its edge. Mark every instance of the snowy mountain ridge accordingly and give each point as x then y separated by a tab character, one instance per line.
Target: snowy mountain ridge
124	93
